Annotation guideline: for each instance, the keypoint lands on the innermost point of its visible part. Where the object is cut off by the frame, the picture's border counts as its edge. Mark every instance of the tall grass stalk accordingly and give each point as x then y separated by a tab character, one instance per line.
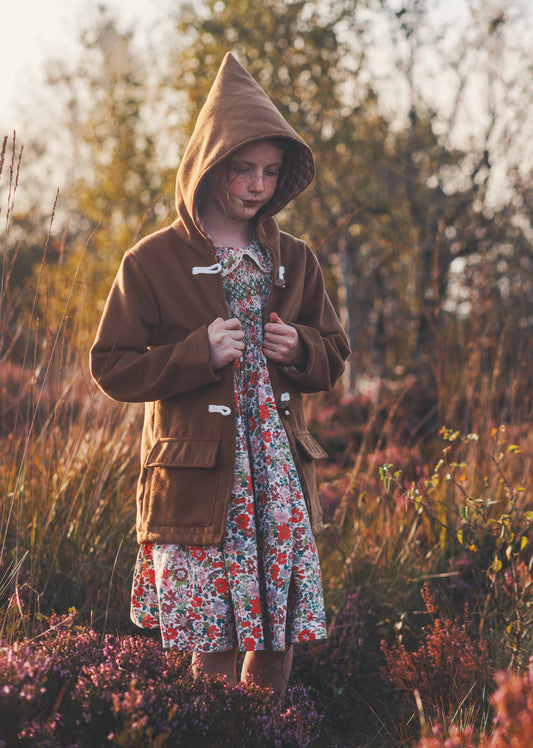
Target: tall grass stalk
67	462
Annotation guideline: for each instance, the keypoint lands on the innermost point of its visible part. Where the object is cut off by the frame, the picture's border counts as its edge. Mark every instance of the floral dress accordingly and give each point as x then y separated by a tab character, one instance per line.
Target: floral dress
261	588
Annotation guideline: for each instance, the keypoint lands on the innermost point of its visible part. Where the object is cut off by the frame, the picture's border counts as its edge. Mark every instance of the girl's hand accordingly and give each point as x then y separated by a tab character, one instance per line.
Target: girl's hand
225	342
282	344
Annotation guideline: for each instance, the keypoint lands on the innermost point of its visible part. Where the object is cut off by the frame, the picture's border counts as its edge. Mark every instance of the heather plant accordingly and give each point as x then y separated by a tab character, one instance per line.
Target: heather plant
513	720
71	686
448	672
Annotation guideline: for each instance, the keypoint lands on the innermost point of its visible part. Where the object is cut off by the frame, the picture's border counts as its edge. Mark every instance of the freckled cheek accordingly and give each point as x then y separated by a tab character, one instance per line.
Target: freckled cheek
237	187
269	188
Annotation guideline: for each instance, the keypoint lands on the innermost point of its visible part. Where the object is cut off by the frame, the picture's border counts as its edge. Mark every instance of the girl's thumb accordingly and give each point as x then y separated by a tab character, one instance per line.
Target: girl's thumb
275	318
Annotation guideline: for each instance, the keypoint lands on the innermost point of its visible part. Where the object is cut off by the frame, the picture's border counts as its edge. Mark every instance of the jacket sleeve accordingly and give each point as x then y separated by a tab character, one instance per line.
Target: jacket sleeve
321	332
124	361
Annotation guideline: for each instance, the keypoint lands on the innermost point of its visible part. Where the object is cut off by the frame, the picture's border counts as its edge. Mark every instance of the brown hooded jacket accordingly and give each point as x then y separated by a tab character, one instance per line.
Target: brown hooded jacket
152	343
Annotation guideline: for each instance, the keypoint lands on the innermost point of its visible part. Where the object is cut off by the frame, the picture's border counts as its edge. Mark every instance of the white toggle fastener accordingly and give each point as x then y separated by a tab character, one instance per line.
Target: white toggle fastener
285	397
207	269
222	409
280	281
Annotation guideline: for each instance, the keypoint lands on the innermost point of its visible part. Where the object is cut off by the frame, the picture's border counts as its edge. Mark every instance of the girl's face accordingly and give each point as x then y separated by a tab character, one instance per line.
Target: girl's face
242	184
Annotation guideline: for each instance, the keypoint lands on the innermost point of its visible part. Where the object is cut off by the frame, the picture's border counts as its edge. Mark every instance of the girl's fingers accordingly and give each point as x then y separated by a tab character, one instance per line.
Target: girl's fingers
225	341
231	324
282	342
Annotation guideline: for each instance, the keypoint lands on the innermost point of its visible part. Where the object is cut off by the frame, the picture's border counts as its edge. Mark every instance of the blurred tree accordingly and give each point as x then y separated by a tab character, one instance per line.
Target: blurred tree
452	228
118	186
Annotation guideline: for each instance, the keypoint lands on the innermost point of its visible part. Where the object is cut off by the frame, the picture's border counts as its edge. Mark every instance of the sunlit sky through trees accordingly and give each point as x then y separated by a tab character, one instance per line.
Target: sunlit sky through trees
35	31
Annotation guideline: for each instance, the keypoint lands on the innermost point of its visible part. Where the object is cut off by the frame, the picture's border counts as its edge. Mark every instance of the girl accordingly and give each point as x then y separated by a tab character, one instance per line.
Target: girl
219	323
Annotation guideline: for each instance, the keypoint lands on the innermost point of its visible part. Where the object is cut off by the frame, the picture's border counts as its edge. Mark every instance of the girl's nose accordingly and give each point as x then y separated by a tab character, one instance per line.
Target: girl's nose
257	183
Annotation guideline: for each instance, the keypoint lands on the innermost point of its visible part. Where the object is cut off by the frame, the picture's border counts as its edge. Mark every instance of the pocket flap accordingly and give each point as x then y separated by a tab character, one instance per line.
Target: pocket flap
309	445
190	453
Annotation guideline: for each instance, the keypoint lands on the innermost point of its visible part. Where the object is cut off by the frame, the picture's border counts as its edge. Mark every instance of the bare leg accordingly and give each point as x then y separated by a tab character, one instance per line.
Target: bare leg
215	663
268	669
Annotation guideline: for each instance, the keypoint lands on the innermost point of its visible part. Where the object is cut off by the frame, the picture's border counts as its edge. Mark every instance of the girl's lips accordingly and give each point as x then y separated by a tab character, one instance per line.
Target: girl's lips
251	203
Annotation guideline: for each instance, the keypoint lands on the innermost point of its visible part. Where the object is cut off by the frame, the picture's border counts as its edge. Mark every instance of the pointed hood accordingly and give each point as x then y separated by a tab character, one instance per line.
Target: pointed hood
237	111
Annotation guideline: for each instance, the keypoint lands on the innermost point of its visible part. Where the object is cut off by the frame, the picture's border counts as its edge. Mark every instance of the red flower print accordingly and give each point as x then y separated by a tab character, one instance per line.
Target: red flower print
282	558
264	411
243	520
284	532
297	514
256	631
213	631
196	601
306	636
255	606
198	553
267	437
274	571
221	585
249	644
151	577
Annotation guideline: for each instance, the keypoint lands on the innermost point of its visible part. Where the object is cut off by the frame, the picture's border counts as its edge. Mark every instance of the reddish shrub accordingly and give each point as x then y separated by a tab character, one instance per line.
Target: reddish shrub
513	702
447	669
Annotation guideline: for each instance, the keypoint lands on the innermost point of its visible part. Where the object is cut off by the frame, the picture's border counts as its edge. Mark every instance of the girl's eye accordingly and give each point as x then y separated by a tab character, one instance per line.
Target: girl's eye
242	170
249	170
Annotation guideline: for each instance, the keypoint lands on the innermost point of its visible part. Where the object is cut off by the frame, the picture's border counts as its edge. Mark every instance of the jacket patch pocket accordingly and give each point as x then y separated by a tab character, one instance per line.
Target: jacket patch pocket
309	446
181	483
